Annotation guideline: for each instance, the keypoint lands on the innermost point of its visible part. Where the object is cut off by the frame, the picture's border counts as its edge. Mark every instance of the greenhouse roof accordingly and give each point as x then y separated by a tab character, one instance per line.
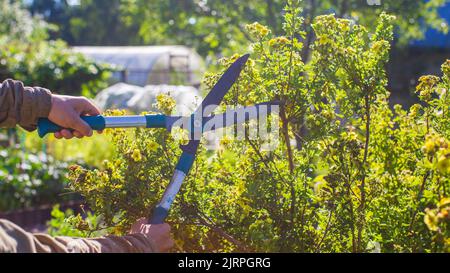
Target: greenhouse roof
140	58
147	64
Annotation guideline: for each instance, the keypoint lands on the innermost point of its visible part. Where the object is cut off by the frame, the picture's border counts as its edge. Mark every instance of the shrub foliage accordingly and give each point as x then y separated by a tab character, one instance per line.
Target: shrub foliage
30	180
360	177
26	54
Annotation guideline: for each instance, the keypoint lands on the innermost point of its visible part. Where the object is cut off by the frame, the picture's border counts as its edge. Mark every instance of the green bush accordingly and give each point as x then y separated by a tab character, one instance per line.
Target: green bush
361	177
61	224
27	55
29	180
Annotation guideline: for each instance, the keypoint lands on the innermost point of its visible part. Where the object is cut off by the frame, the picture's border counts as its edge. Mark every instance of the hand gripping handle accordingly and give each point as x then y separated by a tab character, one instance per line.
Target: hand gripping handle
45	126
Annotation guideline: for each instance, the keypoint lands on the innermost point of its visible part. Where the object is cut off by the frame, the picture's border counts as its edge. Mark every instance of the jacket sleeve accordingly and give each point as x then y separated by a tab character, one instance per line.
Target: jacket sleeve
13	239
20	105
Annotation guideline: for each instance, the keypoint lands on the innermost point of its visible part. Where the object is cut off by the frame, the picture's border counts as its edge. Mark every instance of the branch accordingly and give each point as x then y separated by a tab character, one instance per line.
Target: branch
205	221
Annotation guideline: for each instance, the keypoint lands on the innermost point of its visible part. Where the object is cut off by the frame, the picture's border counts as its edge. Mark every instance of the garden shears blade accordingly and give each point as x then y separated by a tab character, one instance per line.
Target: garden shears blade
195	124
209	104
187	158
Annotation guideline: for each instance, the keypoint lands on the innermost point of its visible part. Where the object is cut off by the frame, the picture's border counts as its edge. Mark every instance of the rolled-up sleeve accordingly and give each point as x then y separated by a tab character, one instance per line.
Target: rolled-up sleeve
21	105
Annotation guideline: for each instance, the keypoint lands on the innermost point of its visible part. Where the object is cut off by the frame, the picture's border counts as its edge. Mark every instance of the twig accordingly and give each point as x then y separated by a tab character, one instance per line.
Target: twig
205	221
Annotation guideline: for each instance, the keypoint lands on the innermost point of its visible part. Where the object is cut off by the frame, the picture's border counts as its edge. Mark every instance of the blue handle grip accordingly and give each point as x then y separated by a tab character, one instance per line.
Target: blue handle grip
159	216
156	121
185	162
45	126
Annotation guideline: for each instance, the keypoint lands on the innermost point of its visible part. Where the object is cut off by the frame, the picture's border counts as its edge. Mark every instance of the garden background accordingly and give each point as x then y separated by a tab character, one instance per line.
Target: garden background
363	163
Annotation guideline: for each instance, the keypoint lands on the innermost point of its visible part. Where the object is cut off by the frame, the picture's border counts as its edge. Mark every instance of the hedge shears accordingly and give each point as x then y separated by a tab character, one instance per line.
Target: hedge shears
195	123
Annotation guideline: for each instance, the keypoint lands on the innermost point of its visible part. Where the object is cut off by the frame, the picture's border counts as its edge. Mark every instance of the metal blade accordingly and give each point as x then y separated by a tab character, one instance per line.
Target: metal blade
231	117
213	99
240	116
184	165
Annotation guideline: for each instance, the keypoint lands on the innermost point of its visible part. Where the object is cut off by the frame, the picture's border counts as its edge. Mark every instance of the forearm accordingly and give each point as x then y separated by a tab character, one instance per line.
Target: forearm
14	239
135	243
20	105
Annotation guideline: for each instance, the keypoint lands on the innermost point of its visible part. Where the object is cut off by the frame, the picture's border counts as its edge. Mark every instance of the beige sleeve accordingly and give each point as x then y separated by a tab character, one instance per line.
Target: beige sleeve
20	105
16	240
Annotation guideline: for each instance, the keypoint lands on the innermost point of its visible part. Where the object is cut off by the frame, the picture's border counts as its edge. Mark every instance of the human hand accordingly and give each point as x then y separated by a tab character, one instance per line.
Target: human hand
160	234
66	112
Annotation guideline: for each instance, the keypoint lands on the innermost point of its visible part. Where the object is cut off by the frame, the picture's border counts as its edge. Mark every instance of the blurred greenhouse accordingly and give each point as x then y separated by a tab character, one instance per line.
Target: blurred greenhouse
143	65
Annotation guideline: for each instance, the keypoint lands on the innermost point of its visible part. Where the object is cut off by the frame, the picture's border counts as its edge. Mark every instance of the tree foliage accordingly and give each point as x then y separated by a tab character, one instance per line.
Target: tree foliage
366	178
26	54
89	22
216	26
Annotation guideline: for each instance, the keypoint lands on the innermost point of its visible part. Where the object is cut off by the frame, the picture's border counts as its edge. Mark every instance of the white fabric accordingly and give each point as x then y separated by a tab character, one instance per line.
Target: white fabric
142	99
